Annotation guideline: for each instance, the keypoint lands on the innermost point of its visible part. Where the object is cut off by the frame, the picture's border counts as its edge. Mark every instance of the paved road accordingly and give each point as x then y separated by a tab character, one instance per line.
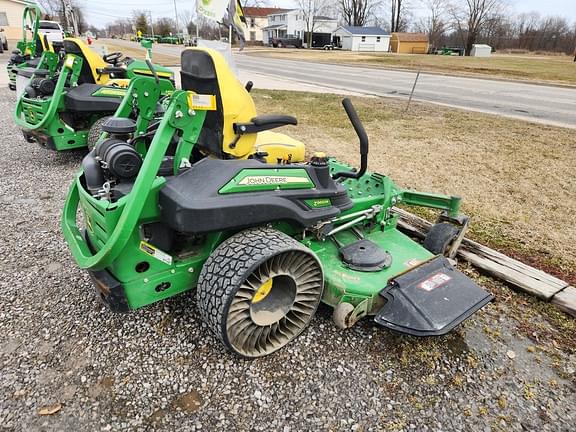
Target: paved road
548	104
545	104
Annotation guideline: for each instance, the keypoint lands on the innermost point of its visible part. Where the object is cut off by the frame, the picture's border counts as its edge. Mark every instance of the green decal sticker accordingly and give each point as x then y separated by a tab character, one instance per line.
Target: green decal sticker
318	203
253	180
115	92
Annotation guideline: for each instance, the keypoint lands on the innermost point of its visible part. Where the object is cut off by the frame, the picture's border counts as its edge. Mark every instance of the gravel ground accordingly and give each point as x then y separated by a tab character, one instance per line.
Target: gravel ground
511	367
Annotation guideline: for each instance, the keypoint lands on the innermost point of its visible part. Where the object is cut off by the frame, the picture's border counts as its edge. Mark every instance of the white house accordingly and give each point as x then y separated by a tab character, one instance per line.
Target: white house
353	38
292	23
257	20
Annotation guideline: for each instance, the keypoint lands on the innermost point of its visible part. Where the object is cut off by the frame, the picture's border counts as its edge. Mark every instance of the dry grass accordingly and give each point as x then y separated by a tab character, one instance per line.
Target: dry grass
516	178
552	69
140	53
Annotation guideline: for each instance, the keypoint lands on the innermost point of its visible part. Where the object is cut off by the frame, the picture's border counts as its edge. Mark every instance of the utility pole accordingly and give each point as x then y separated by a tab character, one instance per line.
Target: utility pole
198	27
65	15
151	23
70	16
176	18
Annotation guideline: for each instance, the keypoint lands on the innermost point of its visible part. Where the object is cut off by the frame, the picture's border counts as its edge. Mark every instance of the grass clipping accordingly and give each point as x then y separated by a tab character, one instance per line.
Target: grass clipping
516	178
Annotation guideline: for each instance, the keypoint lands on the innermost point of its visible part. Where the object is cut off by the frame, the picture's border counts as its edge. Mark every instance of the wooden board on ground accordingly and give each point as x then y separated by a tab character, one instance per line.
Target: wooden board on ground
566	300
514	272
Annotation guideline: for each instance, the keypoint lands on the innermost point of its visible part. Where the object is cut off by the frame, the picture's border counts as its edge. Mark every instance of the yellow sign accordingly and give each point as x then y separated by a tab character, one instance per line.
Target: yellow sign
201	102
69	62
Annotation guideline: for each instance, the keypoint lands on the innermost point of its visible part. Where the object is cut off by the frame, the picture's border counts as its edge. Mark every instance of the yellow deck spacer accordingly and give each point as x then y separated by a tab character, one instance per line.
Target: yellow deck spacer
263	291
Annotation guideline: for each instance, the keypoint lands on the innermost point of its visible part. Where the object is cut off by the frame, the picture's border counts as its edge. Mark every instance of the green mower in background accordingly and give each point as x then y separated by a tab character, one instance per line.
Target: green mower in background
28	49
261	243
65	98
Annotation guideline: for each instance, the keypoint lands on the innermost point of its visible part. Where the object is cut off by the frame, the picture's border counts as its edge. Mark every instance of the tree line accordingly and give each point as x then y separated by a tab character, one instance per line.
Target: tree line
460	23
452	23
464	23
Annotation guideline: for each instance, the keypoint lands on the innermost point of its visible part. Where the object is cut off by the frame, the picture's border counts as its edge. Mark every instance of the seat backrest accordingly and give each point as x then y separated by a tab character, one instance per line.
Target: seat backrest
205	71
90	61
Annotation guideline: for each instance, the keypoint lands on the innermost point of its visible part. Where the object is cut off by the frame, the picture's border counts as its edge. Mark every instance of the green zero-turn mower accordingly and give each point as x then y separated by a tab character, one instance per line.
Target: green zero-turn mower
69	94
261	243
28	49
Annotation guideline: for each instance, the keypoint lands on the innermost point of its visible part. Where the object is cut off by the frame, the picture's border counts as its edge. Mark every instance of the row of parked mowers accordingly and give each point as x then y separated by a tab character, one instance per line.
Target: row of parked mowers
189	190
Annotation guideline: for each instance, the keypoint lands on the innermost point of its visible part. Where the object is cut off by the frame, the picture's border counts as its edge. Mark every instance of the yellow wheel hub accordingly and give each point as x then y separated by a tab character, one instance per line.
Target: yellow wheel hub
263	291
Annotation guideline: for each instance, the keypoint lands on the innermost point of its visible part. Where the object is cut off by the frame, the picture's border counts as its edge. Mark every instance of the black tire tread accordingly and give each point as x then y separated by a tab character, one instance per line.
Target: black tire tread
229	265
439	237
95	132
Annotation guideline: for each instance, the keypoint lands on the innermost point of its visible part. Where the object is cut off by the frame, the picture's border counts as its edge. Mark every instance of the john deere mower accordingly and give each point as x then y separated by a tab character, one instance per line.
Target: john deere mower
30	48
219	141
261	243
68	93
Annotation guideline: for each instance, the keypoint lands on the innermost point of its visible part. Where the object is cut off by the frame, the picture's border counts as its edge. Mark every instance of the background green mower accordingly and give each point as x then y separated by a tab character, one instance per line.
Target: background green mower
29	49
262	244
68	95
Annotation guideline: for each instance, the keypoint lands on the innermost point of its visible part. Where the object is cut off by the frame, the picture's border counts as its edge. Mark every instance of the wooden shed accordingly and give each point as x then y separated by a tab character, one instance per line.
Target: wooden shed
409	43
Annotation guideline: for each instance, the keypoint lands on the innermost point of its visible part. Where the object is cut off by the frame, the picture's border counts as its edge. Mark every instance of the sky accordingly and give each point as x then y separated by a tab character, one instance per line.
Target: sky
100	12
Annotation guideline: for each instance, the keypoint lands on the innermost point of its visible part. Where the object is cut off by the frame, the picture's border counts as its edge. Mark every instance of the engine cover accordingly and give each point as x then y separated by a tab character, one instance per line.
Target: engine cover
217	195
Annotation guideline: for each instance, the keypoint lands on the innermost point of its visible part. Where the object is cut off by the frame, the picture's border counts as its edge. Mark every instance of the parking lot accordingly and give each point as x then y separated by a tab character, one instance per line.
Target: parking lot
507	368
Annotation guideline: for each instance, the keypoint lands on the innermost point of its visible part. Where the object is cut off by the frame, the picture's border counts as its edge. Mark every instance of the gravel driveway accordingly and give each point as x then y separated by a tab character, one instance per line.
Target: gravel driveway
511	367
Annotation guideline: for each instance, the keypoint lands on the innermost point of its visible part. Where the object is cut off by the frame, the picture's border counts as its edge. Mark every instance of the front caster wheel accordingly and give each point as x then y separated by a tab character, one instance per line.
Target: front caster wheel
440	237
259	290
342	314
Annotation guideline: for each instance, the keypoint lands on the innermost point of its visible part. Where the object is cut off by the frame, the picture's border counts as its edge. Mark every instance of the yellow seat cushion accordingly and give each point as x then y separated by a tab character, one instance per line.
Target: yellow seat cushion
280	147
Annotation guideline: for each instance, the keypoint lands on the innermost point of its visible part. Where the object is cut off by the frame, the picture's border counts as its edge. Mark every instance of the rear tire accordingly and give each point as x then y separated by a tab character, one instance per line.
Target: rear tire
259	290
439	238
95	132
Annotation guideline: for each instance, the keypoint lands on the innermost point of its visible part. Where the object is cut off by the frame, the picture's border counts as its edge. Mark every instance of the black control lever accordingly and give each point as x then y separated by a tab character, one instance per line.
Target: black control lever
151	67
362	136
249	86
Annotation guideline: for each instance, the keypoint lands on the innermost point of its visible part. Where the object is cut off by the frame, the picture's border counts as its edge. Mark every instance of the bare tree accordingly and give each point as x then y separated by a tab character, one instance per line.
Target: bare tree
398	15
357	12
435	23
165	26
120	27
140	20
55	10
188	19
310	9
525	29
471	18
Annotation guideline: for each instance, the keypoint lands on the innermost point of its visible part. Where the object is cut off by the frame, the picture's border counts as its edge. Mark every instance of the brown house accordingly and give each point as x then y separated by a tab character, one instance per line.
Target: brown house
409	43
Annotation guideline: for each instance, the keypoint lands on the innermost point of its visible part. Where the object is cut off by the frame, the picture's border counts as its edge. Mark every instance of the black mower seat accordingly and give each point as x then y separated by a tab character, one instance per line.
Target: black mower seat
34	62
29	72
81	99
